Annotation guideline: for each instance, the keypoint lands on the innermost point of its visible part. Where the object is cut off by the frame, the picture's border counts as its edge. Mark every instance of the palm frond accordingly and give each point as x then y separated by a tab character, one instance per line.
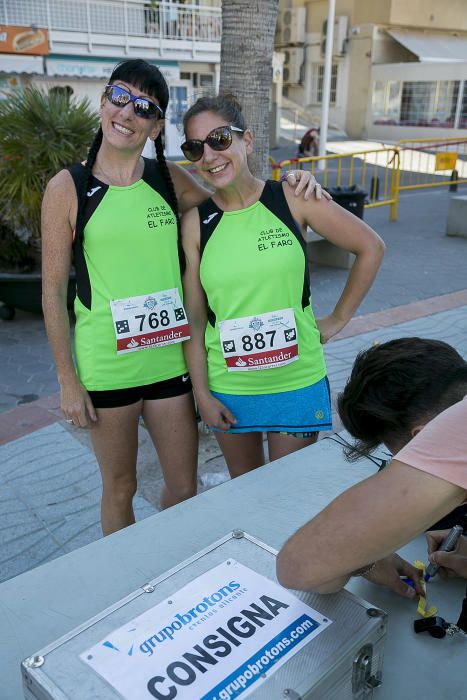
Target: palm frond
40	133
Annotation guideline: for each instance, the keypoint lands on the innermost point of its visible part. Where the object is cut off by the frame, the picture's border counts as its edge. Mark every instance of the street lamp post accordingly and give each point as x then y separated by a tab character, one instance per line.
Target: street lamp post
323	135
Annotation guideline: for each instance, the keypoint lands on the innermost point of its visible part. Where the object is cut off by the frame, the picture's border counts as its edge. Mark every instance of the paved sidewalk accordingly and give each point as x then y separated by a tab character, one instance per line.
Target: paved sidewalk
49	480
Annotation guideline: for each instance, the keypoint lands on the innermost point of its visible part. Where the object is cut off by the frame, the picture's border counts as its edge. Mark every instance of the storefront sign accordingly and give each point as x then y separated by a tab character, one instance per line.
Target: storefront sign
24	40
217	638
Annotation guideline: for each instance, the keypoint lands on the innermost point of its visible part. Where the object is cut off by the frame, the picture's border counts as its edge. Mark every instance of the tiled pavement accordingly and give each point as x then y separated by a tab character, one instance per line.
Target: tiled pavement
49	481
50	485
50	499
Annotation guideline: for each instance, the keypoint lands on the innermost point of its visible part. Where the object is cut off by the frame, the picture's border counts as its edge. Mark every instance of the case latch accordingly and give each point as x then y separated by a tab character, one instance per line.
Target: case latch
363	681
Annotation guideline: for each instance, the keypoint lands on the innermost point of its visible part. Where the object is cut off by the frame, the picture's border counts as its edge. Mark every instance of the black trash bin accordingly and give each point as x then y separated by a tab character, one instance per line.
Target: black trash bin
351	198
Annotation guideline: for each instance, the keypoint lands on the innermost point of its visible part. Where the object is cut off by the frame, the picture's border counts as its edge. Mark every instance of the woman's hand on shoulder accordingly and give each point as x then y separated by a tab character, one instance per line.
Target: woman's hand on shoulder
214	413
76	404
305	184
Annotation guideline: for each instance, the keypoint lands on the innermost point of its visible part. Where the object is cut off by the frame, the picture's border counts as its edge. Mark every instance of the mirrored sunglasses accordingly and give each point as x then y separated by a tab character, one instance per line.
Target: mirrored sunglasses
218	139
143	107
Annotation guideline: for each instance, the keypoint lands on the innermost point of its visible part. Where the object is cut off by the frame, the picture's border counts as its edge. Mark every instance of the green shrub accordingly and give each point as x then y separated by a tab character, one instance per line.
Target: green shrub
40	133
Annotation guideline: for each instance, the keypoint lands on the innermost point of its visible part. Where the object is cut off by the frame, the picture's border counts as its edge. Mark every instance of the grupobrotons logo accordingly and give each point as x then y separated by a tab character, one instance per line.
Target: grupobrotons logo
206	607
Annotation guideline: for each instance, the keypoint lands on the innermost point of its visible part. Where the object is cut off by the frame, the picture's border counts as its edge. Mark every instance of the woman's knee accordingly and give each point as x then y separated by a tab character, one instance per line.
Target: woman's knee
120	488
186	491
183	489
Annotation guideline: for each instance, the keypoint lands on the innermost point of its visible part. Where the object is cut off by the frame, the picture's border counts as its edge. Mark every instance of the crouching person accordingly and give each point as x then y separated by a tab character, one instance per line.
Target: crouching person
409	394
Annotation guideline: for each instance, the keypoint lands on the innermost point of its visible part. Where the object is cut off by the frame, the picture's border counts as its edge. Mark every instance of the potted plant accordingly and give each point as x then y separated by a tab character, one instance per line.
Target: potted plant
40	133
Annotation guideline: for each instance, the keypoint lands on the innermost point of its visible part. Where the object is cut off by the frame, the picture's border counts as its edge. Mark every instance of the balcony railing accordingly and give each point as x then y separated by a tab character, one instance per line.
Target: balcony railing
131	18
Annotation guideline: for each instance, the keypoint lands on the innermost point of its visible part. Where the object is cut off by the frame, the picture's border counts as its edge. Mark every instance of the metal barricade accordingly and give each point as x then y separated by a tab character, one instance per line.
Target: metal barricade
432	162
376	171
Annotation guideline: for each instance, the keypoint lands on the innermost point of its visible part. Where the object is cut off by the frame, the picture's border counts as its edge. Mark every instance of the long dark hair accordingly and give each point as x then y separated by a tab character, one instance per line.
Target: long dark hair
147	78
395	386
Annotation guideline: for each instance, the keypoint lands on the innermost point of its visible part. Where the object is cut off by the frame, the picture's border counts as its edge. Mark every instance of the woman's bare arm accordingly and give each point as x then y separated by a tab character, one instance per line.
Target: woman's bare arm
58	216
346	231
366	523
190	193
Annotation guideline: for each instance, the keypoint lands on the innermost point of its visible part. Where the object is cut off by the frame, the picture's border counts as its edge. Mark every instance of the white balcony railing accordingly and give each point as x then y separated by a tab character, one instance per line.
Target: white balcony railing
130	18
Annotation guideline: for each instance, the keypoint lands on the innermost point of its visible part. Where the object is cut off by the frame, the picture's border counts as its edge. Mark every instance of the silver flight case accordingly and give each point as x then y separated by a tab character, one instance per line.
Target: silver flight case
344	662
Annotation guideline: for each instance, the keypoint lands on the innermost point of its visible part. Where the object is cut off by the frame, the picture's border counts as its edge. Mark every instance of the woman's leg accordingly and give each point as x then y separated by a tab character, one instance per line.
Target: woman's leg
115	441
280	445
242	451
171	423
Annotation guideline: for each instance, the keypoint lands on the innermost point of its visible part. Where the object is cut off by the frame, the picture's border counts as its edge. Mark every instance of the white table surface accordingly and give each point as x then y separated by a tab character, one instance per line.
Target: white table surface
270	503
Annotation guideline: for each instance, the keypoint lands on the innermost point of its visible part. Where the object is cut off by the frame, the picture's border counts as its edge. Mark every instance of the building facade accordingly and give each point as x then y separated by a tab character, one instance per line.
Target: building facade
399	68
74	44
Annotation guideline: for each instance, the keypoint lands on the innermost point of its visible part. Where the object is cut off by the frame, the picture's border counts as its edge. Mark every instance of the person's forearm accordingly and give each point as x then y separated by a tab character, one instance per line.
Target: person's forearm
195	354
359	281
58	332
332	586
366	523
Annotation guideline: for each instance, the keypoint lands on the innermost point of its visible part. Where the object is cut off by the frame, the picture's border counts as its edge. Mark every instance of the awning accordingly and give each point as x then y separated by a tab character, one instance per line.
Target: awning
432	48
21	64
65	66
78	68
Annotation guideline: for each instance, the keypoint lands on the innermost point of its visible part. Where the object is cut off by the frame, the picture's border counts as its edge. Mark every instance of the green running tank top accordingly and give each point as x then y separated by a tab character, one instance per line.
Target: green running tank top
254	261
129	248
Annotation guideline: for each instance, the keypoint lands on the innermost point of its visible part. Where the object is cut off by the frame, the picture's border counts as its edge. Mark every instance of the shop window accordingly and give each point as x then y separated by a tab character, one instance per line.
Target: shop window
199	80
206	80
429	103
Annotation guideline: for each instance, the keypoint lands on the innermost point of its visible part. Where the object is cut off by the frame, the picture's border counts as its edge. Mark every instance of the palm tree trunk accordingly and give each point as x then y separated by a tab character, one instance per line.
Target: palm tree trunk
248	28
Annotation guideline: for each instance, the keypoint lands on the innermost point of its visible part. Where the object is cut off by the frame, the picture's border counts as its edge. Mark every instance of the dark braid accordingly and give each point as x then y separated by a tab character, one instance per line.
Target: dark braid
90	160
173	197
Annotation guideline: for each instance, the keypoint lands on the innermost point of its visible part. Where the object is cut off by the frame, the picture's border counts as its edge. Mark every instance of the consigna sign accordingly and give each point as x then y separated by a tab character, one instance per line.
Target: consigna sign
217	638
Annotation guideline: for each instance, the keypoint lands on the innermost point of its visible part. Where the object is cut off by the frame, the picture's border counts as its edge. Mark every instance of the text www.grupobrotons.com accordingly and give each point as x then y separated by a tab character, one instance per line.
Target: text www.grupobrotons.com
251	671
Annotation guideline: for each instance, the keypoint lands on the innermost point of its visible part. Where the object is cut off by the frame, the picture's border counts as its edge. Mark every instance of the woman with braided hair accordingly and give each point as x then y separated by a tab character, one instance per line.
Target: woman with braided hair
119	215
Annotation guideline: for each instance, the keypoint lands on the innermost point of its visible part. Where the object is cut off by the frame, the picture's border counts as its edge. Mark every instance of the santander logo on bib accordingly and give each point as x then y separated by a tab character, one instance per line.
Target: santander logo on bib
263	360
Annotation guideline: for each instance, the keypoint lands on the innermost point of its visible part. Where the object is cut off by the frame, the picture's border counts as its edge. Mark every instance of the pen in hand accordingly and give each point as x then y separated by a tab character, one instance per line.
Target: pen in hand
447	545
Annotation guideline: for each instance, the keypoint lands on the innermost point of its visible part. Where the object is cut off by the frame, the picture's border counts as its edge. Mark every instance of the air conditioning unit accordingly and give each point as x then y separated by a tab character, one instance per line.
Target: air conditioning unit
339	44
292	26
293	61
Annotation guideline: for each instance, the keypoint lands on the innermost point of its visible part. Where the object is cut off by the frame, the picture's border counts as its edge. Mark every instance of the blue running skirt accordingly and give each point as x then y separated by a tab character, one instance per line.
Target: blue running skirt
305	410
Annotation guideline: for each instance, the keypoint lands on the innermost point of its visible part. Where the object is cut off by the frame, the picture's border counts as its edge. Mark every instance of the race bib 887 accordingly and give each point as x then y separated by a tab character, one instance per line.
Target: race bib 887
259	342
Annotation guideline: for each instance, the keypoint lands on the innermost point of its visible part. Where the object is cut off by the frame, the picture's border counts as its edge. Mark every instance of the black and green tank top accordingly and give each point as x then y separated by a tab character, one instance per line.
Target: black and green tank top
253	261
128	248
